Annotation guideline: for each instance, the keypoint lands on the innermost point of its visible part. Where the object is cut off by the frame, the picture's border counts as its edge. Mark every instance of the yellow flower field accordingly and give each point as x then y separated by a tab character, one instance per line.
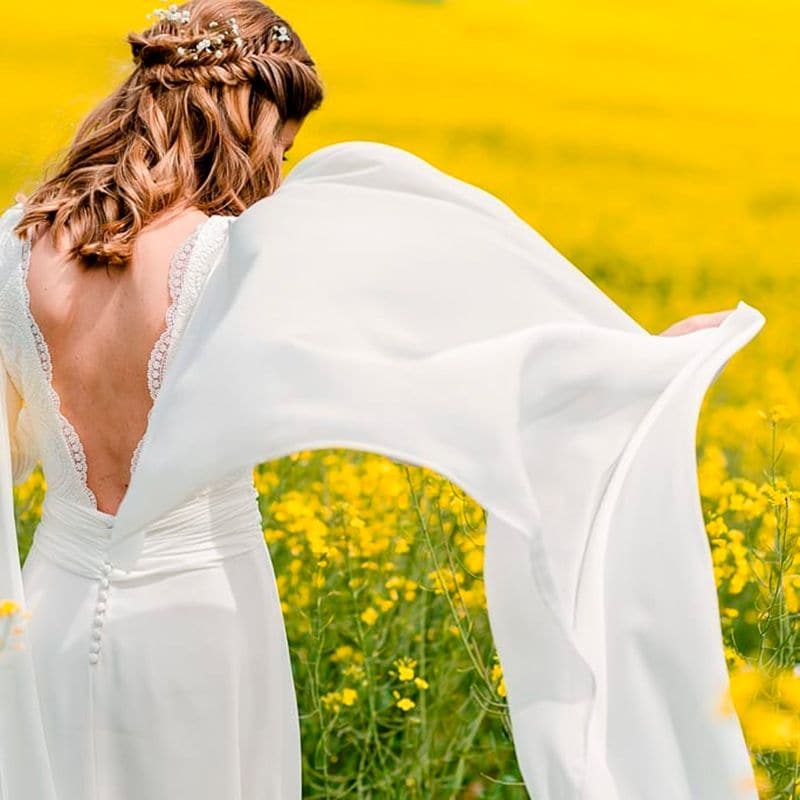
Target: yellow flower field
658	147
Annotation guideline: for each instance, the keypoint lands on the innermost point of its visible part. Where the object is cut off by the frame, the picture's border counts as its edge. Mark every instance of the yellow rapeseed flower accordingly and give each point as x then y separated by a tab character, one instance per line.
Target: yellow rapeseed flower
403	703
7	608
405	668
349	696
354	671
369	615
332	700
778	413
787	686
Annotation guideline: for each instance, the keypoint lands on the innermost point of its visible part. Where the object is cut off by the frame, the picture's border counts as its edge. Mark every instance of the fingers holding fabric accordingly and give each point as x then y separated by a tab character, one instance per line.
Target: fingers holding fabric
696	322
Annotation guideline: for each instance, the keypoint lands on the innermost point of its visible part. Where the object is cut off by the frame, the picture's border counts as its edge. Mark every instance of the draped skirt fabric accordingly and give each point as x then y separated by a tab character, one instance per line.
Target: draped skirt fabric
173	680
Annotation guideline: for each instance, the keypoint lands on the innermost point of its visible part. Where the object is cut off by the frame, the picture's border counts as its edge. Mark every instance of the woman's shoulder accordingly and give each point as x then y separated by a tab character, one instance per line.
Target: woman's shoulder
10	243
353	154
371	170
10	217
378	176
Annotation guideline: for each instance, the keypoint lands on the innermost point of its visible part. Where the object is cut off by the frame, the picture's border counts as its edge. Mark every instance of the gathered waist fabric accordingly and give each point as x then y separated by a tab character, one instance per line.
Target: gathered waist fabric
220	522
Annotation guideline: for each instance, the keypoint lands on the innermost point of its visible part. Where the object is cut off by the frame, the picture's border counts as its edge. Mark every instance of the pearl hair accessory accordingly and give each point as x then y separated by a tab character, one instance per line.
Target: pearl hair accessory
172	14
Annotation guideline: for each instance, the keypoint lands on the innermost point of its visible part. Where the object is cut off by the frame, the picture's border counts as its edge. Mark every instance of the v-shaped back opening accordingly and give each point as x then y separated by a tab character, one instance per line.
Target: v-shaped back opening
176	273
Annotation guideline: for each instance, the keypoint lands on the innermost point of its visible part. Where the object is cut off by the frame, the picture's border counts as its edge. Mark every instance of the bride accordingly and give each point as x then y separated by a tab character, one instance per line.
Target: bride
173	311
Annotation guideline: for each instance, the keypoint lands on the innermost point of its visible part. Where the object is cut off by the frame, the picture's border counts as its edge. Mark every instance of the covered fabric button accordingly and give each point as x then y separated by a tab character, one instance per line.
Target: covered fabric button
93	658
95	648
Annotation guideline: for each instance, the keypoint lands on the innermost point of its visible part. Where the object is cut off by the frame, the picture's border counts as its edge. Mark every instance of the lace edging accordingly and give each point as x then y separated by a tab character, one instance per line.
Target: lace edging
71	438
198	250
157	359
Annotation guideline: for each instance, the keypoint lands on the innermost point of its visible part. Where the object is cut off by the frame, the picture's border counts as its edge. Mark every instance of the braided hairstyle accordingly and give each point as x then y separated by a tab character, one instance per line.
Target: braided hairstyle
193	125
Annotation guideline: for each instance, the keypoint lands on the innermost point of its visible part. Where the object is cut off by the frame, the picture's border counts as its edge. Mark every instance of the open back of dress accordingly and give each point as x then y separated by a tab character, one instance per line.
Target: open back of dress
54	437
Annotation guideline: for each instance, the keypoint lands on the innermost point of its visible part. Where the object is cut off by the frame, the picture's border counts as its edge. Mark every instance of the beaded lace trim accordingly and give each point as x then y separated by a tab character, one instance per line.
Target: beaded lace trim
198	251
71	438
158	355
156	362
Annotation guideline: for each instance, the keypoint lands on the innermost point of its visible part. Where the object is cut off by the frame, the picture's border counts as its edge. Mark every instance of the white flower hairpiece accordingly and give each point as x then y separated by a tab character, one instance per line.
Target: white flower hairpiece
216	41
172	14
213	40
281	33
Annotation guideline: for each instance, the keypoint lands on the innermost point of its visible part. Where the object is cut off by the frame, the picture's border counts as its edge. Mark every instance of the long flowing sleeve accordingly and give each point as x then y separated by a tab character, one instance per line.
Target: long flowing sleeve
24	760
376	303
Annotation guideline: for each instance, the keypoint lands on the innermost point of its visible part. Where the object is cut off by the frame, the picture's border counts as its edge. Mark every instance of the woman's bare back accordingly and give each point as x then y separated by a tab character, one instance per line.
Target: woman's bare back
100	326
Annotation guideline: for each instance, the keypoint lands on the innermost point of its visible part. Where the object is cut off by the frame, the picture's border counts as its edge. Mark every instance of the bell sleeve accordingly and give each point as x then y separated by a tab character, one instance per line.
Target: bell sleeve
376	303
25	769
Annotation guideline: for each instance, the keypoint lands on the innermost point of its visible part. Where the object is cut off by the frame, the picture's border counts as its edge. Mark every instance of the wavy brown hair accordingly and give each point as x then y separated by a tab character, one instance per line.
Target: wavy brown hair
197	123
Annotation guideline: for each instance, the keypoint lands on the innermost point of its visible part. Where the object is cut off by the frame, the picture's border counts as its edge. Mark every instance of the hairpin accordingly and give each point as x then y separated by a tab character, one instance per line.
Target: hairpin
281	33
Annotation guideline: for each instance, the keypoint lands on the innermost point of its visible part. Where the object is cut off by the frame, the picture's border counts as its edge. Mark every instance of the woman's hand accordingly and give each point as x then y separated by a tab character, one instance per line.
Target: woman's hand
696	323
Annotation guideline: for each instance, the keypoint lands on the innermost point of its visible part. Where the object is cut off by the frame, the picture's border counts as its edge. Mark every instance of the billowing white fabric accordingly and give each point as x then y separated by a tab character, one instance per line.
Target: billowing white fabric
376	303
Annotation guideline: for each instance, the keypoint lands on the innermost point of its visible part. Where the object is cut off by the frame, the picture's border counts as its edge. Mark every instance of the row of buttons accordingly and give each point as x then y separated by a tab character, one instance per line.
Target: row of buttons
99	613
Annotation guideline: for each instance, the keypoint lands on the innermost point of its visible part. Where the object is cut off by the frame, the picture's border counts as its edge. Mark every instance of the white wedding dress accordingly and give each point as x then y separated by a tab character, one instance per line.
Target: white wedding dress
173	680
373	302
